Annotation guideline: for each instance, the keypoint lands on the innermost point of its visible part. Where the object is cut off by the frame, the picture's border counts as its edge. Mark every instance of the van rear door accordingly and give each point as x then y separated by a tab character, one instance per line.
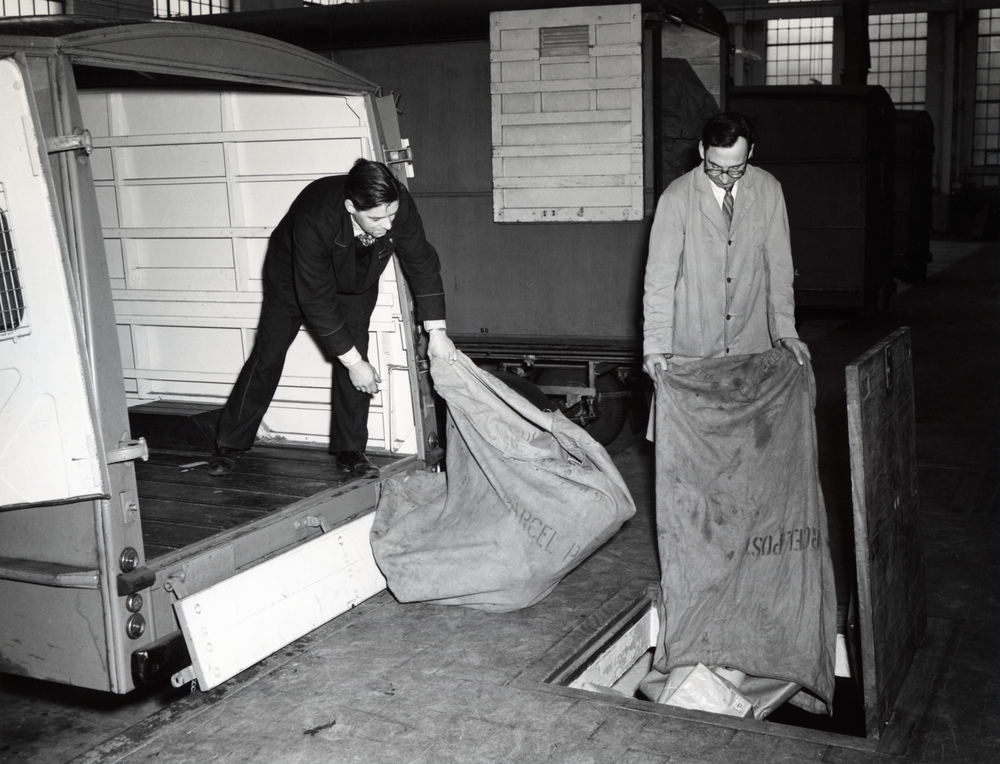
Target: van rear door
48	444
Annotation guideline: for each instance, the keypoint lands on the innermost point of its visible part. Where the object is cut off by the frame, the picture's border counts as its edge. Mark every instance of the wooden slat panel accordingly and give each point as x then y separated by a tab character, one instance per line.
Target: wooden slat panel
547	106
232	625
891	596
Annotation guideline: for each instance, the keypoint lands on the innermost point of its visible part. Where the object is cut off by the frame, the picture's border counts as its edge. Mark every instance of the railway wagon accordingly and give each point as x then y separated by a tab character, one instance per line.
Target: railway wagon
143	168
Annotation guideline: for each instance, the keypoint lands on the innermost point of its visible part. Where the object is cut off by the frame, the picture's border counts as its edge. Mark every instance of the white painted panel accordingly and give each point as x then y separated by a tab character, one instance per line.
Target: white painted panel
256	250
94	110
240	621
306	359
160	111
312	424
402	437
116	262
568	197
188	205
580	132
519	39
100	164
204	265
183	253
296	157
265	203
191	348
269	111
610	100
186	160
125	345
107	205
527	167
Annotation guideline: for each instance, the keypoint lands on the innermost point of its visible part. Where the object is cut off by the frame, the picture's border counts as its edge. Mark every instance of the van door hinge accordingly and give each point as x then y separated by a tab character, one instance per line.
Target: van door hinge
129	450
80	140
311	521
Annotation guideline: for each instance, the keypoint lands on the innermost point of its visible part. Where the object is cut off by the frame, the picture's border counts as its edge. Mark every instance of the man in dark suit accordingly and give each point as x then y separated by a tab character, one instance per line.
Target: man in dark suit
322	268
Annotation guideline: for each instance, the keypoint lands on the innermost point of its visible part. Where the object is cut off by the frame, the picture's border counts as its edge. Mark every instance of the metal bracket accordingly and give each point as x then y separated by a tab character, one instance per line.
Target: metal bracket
80	140
311	521
175	584
184	676
399	155
129	450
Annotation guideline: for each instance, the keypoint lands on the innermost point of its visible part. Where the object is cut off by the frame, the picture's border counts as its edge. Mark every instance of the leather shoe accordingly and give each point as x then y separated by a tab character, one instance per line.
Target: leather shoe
224	461
357	463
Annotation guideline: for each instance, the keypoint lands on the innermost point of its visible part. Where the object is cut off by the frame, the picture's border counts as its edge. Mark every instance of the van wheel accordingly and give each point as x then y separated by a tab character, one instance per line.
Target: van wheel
527	389
611	413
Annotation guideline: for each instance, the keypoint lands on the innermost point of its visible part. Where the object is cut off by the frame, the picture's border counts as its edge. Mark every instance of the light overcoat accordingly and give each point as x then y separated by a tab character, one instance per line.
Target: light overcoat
712	292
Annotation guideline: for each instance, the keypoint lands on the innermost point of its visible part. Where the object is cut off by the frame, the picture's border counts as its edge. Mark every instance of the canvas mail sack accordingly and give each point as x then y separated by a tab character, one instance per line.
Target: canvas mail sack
526	497
746	574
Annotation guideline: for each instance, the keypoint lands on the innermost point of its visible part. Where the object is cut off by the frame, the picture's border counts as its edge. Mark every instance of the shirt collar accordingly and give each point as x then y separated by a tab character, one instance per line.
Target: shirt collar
720	193
354	225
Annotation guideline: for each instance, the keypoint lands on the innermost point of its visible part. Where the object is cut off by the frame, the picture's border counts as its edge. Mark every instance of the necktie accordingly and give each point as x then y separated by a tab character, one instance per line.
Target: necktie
727	207
366	239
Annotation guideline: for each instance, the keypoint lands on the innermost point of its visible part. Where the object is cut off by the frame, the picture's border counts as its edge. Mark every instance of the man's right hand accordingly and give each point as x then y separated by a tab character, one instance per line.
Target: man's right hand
651	361
364	377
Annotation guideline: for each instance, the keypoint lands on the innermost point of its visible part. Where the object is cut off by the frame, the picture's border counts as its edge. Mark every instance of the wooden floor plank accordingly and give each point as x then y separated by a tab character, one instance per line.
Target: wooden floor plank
209	516
287	486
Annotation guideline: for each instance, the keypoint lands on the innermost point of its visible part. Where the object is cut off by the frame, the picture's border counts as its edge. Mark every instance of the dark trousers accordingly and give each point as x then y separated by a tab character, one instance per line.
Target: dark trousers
255	387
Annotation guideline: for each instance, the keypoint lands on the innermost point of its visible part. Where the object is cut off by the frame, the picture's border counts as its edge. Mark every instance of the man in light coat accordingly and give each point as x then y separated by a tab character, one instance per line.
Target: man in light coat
716	287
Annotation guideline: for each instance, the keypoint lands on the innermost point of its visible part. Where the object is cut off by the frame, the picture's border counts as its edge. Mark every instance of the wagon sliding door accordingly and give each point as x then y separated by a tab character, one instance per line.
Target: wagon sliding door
54	479
48	441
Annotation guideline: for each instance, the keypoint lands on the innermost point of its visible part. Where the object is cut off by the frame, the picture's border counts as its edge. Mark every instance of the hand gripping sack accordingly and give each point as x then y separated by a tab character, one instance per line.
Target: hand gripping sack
526	497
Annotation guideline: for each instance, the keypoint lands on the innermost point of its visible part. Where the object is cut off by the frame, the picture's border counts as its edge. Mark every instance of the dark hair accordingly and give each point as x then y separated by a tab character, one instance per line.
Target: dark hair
723	130
371	184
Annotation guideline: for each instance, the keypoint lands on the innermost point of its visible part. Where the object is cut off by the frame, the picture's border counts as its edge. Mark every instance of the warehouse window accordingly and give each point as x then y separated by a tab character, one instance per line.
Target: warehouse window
898	44
30	8
11	298
167	9
986	114
800	51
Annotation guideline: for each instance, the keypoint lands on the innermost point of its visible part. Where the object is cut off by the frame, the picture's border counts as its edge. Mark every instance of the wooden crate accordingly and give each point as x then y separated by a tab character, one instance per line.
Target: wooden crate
566	89
891	597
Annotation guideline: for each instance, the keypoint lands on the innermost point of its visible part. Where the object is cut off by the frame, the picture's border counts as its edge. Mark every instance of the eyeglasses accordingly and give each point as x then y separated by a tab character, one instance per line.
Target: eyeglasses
733	172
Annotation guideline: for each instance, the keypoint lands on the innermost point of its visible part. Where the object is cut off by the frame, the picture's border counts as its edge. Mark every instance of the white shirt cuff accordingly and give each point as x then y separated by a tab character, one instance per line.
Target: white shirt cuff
434	324
351	358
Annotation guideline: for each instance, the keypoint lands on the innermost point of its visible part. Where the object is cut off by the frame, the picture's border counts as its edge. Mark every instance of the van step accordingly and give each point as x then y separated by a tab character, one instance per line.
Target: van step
174	424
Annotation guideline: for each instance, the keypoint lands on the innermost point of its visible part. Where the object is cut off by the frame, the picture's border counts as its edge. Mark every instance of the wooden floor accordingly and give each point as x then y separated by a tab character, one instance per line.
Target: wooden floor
392	682
181	503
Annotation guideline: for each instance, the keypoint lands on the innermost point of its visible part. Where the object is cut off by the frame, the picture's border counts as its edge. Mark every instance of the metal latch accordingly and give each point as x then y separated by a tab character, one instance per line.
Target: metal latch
129	450
80	140
397	156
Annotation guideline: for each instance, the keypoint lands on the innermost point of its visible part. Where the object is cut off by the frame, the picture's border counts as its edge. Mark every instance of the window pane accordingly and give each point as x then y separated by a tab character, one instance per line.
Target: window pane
802	51
899	56
30	8
986	125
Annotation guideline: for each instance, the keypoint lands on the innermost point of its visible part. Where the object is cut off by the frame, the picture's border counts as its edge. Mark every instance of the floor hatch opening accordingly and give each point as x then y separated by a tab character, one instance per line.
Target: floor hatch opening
615	659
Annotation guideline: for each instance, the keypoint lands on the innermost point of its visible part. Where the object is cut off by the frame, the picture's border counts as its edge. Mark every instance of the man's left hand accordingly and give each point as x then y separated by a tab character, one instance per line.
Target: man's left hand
798	348
441	346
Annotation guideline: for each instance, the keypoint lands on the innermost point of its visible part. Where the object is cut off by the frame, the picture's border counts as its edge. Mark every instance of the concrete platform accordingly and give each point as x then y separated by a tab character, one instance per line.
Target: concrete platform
388	682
